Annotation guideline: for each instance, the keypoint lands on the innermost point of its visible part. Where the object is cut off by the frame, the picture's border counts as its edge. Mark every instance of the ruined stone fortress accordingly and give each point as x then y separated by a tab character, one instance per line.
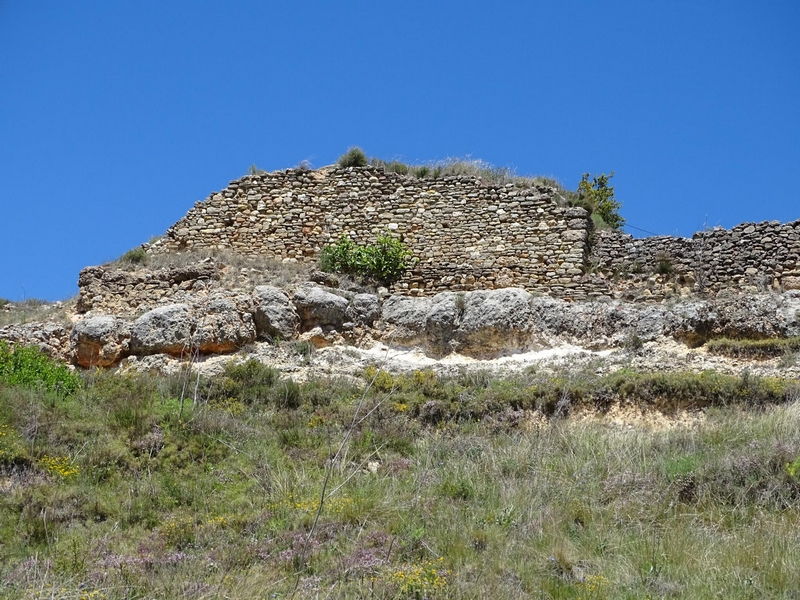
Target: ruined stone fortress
469	234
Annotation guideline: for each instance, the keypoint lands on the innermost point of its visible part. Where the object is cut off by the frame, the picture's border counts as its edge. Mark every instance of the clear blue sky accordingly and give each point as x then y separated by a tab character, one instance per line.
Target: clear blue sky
115	117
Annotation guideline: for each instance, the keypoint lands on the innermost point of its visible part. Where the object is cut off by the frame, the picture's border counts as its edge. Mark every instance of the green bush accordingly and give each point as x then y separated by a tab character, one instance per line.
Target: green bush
354	157
28	366
597	197
250	382
137	256
386	260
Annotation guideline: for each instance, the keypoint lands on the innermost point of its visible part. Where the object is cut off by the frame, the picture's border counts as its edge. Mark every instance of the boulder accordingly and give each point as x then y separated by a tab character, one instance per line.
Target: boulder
221	327
495	322
442	320
99	341
364	310
404	319
274	315
167	329
320	308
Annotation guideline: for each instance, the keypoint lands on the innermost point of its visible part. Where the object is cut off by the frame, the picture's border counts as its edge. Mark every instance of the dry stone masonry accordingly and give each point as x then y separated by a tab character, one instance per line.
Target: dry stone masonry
757	255
465	233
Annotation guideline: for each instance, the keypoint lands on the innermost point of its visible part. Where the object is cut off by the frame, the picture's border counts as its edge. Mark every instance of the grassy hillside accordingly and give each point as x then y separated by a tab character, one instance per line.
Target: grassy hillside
150	487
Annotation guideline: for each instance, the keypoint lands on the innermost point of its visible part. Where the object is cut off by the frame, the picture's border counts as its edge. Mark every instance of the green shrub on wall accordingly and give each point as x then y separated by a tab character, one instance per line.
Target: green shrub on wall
354	157
386	260
597	197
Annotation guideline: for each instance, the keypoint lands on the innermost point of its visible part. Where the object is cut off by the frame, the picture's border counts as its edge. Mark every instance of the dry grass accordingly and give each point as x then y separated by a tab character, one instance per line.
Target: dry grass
466	167
220	498
754	349
234	270
34	311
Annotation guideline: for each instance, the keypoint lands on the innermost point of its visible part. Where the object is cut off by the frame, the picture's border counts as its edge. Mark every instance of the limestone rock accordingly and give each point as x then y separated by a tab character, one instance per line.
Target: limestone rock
495	322
167	329
597	325
275	315
221	327
364	309
405	319
442	320
320	308
99	341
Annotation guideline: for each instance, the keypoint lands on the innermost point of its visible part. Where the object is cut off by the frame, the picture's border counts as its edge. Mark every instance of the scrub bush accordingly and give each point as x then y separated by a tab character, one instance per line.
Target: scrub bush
386	260
28	366
354	157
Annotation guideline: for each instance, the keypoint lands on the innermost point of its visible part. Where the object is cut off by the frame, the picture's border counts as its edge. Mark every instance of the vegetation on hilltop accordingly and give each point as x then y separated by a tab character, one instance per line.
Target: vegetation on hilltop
596	196
249	485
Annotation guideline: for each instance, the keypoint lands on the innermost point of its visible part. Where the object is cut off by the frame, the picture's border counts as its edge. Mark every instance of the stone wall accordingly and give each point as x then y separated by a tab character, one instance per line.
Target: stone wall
469	234
115	290
757	255
465	233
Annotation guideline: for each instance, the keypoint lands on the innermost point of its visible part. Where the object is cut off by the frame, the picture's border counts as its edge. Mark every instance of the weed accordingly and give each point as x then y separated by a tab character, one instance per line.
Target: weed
304	349
664	266
420	579
633	343
60	466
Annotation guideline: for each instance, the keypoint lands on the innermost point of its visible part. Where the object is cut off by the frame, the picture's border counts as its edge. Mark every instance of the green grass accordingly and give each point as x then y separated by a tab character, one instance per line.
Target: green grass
758	349
138	487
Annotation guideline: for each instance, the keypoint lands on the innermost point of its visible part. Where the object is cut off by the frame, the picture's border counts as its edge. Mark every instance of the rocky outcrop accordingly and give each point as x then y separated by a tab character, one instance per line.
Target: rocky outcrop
318	307
748	316
275	316
52	338
99	341
480	324
492	323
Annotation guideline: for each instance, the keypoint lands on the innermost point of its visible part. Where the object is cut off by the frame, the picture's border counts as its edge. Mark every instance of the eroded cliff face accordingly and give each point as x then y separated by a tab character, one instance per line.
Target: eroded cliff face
194	322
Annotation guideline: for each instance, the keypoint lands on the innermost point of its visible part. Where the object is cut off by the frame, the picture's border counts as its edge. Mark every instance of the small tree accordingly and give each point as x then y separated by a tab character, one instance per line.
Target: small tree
598	197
